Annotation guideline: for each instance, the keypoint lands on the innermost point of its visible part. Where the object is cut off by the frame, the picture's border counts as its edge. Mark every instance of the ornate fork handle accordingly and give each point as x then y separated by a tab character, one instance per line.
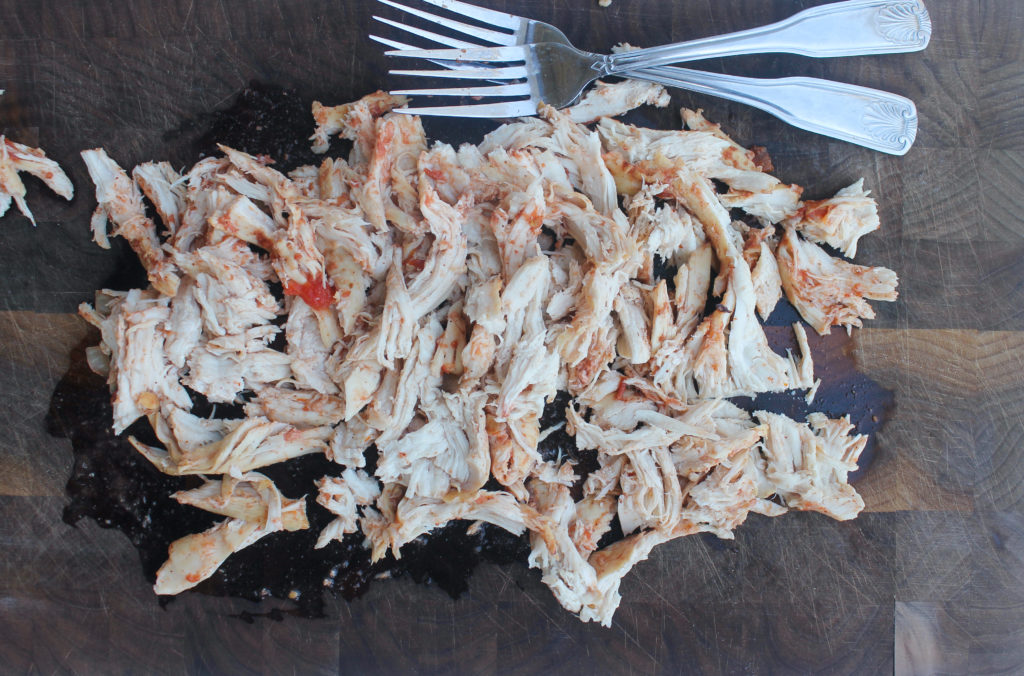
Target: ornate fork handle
851	28
868	117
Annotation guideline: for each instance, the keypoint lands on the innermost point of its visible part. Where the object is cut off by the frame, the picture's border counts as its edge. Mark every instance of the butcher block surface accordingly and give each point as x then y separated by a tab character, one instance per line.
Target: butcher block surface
929	579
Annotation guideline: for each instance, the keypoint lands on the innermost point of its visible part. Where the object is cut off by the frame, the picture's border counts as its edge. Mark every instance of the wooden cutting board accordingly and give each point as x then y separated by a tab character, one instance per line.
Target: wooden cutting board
929	578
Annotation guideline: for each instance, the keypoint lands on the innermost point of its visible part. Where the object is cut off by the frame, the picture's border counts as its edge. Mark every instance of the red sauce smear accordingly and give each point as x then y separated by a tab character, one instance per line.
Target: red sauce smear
316	292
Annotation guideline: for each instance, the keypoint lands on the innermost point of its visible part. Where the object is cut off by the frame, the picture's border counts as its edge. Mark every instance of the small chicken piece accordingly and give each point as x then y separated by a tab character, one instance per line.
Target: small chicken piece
144	378
102	358
582	148
333	181
721	501
693	457
711	361
651	496
483	305
594	305
752	366
604	239
342	496
604	481
662	317
447	359
301	408
613	99
397	407
636	155
429	461
14	158
12	187
582	376
416	516
828	291
353	121
445	262
415	461
221	373
470	466
202	200
635	337
254	507
165	189
523	133
345	230
120	202
612	563
359	373
700	152
516	228
529	379
563	568
300	264
738	156
614	403
513	449
246	221
552	471
693	279
657	430
289	237
477	356
808	465
252	443
522	303
307	349
183	432
592	521
184	325
398	143
307	180
764	275
229	289
774	205
662	231
567	280
839	221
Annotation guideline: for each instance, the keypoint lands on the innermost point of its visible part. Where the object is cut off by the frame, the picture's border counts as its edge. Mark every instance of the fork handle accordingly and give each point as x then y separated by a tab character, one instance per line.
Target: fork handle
851	28
868	117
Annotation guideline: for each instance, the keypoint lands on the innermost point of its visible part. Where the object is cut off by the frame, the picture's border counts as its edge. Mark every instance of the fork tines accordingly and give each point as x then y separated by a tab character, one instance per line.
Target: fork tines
485	34
460	60
481	14
509	73
486	54
519	108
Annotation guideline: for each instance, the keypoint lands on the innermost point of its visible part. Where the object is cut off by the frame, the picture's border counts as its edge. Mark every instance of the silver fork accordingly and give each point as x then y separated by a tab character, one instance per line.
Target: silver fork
868	117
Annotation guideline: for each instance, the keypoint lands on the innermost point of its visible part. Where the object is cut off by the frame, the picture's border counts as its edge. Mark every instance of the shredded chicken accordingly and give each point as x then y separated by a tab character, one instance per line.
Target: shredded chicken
254	508
840	221
16	158
828	291
431	302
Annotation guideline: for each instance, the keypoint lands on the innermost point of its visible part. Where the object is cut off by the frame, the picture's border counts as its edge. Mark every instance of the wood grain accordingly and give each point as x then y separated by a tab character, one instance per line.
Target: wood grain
929	580
37	348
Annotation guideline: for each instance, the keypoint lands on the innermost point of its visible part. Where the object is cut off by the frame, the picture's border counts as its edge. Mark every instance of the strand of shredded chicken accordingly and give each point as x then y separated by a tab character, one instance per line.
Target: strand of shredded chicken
16	159
435	299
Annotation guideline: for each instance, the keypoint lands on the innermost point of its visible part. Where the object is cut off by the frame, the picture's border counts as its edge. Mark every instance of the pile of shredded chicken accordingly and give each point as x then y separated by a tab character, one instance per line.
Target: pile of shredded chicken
435	298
